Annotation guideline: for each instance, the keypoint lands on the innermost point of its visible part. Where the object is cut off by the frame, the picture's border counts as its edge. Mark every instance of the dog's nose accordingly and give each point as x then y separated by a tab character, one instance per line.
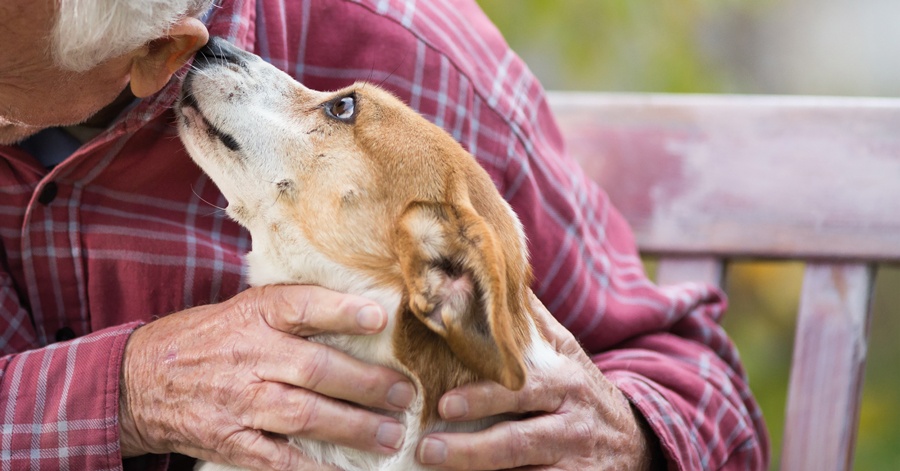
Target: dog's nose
217	50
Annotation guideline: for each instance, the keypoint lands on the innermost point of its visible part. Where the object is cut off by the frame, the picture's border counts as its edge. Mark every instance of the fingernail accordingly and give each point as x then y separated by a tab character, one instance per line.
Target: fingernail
370	318
433	451
454	407
391	435
401	395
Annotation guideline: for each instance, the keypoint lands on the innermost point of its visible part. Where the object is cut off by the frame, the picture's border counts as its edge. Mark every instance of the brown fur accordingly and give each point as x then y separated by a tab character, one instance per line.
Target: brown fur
412	171
397	200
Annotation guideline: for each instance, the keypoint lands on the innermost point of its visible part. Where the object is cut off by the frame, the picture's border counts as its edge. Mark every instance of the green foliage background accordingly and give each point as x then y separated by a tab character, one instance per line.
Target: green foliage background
657	46
621	45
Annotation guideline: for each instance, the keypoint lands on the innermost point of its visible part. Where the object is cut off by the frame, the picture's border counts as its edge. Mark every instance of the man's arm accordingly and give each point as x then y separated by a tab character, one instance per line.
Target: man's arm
692	391
196	382
660	346
59	403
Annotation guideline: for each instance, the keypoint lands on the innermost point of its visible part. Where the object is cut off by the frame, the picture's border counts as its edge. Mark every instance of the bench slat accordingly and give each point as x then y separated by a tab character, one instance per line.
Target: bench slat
827	369
771	177
671	270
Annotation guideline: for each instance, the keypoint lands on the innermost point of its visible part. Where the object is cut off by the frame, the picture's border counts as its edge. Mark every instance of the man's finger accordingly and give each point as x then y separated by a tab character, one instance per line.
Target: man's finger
308	310
551	329
556	334
485	399
504	446
291	411
332	373
262	452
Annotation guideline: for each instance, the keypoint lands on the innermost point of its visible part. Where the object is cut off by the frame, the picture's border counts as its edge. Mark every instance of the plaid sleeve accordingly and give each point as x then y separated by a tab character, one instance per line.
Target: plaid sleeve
689	386
662	346
59	403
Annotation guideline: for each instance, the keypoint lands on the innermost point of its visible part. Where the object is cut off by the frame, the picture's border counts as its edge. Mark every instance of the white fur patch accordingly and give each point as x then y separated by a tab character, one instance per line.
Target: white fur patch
540	356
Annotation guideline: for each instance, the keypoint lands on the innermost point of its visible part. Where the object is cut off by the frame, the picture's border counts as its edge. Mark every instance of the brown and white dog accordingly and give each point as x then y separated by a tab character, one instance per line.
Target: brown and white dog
354	191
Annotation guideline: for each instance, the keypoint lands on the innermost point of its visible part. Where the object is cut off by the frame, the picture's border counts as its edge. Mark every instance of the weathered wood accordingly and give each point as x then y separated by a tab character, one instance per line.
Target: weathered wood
670	270
827	369
745	176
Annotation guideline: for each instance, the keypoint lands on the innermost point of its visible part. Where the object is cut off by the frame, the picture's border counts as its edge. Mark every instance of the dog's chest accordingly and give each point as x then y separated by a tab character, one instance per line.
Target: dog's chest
378	349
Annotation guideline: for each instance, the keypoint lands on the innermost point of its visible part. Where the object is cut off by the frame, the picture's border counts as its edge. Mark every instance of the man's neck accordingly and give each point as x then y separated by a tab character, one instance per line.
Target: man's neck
102	119
11	133
108	113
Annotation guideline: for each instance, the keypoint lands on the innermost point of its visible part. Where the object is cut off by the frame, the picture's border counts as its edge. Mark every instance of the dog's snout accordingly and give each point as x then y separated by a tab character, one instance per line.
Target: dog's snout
217	50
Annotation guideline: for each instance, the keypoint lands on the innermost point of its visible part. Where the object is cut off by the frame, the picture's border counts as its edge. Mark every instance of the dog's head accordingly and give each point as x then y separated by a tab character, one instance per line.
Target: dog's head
352	187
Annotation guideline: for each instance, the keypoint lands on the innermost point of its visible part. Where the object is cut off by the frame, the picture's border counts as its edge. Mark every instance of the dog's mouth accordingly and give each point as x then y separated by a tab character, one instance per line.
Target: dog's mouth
215	52
192	115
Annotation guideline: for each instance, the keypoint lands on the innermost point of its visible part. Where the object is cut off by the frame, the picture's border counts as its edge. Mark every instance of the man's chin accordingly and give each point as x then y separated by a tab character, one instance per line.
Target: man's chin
14	133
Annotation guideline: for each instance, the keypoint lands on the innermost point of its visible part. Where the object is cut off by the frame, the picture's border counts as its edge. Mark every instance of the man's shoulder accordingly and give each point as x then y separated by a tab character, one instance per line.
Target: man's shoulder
409	40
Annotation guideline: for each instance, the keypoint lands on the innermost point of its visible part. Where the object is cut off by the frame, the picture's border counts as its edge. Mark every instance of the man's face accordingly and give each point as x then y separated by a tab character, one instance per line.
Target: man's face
34	93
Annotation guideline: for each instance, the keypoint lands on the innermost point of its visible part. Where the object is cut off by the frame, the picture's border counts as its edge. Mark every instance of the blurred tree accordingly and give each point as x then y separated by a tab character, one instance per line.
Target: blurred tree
623	45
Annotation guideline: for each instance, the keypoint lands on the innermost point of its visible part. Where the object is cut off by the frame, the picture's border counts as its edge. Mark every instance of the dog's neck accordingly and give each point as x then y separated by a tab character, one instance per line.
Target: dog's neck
405	344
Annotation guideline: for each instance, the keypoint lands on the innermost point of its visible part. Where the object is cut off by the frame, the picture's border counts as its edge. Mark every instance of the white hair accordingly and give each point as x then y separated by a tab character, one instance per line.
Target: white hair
88	32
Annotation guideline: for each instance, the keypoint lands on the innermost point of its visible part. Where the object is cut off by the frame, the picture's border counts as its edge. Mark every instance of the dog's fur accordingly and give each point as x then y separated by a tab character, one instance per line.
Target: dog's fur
354	191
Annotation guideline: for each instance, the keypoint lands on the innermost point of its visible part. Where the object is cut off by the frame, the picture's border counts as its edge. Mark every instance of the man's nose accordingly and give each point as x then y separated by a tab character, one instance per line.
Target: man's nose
218	50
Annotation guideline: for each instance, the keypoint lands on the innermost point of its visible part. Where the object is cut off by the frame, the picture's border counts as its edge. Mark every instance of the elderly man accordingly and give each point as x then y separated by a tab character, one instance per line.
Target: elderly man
127	332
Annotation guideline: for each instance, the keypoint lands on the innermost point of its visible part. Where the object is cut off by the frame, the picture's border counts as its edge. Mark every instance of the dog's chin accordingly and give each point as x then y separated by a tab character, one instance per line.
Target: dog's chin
195	133
187	108
194	126
194	123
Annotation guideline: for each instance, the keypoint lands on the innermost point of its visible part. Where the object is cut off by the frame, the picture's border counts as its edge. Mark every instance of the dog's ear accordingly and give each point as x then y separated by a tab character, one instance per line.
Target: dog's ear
456	284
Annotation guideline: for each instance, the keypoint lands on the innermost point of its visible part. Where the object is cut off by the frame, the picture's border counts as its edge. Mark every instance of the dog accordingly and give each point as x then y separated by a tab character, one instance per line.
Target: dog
354	191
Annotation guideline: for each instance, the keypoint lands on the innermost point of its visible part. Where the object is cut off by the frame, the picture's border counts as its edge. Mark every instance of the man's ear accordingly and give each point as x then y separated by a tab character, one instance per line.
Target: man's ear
456	284
155	65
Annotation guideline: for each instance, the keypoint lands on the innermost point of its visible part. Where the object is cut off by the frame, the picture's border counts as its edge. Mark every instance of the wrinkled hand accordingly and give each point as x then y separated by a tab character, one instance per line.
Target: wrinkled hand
576	419
225	382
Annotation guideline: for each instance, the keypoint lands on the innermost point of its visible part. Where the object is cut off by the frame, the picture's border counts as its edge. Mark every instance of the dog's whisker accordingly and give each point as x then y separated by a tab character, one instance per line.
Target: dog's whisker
205	201
200	71
369	78
213	213
194	69
402	61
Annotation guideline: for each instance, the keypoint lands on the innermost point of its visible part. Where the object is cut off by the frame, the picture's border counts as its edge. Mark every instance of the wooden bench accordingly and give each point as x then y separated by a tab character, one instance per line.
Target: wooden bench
705	179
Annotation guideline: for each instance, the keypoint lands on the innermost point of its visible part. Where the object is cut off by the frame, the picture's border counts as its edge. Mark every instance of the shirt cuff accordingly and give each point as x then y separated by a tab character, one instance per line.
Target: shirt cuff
660	415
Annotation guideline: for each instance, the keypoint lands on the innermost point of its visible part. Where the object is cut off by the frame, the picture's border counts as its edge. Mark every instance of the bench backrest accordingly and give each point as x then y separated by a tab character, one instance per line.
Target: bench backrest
702	179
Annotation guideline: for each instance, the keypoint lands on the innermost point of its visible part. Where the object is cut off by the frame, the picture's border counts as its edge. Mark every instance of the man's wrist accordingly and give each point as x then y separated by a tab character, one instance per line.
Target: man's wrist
652	450
130	441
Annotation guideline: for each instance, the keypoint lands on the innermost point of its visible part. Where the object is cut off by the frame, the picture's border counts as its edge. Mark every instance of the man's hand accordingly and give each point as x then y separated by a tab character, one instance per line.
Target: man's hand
225	382
575	419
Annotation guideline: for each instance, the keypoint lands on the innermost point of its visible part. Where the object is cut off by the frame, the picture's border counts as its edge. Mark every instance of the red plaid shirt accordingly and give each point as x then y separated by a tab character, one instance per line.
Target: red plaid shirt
123	231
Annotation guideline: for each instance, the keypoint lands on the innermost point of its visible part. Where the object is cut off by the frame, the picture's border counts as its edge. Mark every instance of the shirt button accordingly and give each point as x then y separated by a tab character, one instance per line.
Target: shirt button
48	194
65	333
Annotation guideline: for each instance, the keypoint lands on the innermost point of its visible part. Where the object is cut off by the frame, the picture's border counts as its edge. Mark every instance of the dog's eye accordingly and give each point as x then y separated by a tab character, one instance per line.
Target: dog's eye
343	108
